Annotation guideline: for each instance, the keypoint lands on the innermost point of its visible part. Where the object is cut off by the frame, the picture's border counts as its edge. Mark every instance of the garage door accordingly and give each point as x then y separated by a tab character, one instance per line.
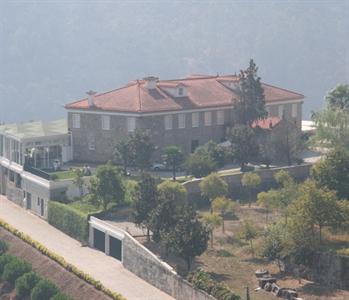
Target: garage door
115	249
99	239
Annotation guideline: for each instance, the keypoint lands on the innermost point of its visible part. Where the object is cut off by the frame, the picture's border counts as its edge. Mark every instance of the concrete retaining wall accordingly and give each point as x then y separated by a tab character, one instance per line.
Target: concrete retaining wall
146	265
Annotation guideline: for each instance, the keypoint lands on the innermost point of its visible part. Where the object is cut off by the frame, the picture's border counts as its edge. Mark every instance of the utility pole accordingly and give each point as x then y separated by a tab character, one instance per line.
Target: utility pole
248	293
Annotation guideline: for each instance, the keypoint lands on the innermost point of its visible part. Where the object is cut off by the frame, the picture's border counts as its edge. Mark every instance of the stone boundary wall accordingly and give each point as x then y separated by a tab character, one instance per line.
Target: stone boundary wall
328	269
146	265
299	172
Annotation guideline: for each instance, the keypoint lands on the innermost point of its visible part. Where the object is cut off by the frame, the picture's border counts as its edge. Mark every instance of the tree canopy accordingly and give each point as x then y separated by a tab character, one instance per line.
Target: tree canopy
213	186
250	103
338	98
106	186
173	157
145	201
332	171
243	144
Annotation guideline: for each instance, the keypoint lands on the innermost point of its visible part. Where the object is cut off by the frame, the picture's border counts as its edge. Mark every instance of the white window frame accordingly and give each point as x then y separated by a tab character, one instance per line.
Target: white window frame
91	143
76	122
208	118
181	121
280	111
294	110
131	124
105	122
168	120
220	117
195	119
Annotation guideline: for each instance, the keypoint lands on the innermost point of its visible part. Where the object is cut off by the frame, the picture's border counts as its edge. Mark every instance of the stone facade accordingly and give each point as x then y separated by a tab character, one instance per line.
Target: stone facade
91	143
300	173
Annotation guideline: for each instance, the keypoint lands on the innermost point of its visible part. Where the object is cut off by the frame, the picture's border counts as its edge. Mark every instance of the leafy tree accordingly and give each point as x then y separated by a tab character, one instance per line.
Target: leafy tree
287	193
213	186
200	164
273	247
222	205
145	201
43	290
218	154
318	206
250	181
25	284
333	172
268	200
243	144
173	157
106	186
4	260
250	103
143	149
171	196
249	232
124	153
332	128
338	98
78	181
212	221
189	237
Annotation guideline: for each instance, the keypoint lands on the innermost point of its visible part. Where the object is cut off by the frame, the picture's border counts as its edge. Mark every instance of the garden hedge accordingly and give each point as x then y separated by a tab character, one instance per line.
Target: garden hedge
69	220
15	269
60	260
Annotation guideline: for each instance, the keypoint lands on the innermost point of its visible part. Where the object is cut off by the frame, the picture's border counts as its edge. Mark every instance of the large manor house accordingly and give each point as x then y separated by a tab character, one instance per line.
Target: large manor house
185	112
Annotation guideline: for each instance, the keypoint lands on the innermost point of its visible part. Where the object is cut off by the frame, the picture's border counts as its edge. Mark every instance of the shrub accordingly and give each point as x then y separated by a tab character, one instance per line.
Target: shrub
25	284
202	280
43	290
4	260
69	220
15	269
61	296
3	247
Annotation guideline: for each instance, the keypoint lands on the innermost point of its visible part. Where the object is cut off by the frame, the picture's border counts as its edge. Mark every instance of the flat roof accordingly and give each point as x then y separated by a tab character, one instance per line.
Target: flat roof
35	129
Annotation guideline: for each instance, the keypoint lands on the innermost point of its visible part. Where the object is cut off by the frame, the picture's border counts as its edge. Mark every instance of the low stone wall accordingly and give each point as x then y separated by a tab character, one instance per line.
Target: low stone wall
146	265
299	172
328	269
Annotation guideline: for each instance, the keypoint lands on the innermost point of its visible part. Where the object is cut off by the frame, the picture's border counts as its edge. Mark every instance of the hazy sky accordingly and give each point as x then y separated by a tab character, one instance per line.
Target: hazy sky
52	52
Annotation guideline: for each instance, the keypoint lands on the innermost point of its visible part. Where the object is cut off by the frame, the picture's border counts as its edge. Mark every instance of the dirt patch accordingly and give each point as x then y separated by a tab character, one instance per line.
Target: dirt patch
67	282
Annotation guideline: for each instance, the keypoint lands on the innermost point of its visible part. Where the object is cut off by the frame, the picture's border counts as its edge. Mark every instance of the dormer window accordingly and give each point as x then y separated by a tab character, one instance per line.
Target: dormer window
180	91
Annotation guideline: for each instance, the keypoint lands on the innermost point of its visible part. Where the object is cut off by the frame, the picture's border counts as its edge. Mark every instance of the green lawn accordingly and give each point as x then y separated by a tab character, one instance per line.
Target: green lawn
84	207
62	175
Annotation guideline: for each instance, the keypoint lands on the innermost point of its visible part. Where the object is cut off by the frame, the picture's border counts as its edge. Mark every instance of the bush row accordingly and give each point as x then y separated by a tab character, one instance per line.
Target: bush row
19	273
69	220
202	280
60	260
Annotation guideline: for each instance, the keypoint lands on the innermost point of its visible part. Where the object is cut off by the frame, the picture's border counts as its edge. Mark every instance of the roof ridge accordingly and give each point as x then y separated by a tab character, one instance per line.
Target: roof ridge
273	86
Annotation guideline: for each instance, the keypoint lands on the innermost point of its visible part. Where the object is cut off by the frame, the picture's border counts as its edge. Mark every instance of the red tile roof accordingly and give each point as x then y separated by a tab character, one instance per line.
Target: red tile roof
202	92
268	123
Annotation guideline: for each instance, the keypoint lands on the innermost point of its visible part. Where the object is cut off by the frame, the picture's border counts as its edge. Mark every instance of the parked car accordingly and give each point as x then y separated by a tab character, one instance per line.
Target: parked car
158	167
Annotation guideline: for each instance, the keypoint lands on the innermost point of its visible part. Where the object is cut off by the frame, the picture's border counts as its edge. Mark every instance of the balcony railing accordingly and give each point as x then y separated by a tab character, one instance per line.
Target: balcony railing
37	172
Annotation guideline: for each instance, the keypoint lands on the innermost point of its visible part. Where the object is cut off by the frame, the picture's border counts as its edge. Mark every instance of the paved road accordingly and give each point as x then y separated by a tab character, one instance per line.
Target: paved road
95	263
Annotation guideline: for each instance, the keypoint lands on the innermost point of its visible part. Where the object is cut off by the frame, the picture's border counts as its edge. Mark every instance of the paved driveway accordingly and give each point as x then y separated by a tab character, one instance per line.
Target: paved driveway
95	263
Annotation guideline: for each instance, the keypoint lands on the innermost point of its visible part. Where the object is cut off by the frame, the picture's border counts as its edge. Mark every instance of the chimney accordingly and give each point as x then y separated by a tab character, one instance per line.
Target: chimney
91	98
150	82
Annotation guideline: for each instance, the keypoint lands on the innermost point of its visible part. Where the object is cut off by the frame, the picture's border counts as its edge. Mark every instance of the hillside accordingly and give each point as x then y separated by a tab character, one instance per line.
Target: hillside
52	52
